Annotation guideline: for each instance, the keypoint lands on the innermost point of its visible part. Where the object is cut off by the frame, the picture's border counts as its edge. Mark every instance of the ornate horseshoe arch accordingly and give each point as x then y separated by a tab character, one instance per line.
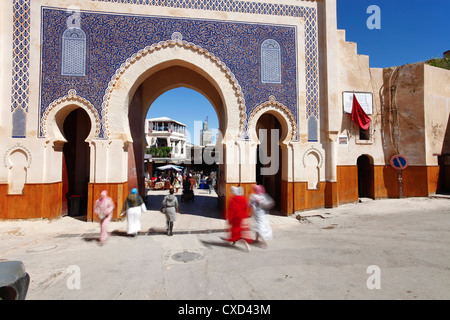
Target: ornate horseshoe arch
175	43
50	123
276	107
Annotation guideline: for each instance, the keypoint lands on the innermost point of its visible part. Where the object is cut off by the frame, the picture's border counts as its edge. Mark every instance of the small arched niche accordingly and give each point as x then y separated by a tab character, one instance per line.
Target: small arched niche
17	175
312	163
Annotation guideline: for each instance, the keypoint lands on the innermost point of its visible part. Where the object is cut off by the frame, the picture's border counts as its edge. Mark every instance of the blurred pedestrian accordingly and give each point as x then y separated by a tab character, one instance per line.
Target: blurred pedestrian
209	183
177	182
261	202
134	206
237	215
192	182
104	207
170	209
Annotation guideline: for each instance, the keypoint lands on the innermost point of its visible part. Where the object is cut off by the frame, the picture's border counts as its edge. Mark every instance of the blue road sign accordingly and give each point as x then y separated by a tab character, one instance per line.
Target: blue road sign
399	162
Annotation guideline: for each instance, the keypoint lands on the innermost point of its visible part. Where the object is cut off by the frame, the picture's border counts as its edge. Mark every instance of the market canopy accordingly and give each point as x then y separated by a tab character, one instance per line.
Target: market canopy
170	167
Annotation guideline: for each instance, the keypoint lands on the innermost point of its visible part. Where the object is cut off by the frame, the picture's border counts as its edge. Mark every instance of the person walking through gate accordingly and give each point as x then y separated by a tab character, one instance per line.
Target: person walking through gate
260	202
133	207
237	214
170	208
177	182
209	183
104	207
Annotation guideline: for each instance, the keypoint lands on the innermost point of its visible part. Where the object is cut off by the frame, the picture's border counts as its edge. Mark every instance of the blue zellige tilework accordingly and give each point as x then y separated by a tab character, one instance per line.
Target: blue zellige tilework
20	67
311	31
113	38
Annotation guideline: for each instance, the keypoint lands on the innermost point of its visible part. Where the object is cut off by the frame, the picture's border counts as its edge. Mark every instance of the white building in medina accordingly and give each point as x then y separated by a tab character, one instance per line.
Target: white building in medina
167	132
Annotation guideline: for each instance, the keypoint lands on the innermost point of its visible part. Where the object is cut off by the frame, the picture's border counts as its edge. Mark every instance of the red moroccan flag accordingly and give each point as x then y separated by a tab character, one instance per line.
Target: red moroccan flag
359	116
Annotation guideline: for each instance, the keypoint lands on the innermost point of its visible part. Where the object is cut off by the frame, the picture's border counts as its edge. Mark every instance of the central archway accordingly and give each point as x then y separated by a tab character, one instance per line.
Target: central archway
155	70
150	89
163	56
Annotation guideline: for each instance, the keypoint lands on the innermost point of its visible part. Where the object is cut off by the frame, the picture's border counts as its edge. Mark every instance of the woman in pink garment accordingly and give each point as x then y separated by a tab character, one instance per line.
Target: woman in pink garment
103	208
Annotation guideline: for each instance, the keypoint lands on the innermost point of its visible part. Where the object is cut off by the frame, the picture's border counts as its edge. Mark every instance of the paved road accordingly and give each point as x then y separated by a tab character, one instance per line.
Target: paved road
399	248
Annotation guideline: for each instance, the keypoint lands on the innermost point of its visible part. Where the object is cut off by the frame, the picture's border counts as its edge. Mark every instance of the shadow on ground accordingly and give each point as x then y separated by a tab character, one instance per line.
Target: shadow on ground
203	205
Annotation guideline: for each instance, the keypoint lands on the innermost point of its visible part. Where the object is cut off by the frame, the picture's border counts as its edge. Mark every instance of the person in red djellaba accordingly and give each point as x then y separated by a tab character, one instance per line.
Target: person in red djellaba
237	216
104	207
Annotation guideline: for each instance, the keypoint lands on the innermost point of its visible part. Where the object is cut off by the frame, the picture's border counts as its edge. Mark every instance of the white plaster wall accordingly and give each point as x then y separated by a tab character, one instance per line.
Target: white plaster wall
356	75
437	111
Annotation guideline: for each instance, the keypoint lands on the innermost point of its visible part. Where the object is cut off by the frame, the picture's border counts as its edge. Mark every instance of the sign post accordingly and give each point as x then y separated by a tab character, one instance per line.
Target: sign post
399	163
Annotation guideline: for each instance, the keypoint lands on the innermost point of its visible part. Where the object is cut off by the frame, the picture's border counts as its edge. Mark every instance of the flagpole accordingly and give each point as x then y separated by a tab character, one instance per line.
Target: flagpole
400	184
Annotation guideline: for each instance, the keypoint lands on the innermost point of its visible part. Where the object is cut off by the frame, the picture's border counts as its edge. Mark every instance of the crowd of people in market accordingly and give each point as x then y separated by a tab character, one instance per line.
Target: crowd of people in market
259	203
176	179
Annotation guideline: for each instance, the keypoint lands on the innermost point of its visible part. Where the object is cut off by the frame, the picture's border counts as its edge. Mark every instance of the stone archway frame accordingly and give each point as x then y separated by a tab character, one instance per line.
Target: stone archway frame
281	112
149	60
58	110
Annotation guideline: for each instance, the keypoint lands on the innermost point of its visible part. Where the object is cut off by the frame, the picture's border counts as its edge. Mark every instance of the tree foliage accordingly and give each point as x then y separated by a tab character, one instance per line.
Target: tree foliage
440	63
163	152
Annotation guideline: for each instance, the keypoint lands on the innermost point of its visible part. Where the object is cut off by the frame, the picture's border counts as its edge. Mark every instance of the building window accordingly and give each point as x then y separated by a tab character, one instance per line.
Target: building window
364	134
270	62
312	129
19	123
74	53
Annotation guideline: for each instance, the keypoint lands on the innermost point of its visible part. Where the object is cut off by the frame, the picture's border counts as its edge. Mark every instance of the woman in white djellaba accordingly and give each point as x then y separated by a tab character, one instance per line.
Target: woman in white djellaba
134	206
261	202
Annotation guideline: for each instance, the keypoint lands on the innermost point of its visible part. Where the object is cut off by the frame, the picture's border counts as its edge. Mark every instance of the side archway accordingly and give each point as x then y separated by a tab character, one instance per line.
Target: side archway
279	182
58	110
281	112
70	125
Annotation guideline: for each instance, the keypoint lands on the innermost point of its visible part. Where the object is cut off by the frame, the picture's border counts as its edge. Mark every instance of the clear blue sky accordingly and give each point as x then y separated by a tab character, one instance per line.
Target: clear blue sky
186	106
410	31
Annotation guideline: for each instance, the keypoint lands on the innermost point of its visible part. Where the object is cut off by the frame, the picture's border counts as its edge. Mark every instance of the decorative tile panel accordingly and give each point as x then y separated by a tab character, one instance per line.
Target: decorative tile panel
74	52
311	31
20	66
114	38
270	62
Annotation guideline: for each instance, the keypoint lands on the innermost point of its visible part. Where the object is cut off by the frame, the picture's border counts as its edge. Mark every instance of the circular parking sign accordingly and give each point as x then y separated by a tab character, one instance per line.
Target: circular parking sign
399	162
